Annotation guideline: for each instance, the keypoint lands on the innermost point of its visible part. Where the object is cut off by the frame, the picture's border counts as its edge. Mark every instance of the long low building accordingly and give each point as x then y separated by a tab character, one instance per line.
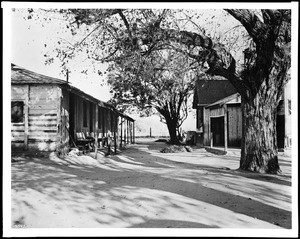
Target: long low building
48	113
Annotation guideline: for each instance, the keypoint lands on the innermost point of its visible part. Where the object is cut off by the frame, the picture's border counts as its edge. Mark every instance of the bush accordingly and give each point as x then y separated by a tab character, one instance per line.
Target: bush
176	149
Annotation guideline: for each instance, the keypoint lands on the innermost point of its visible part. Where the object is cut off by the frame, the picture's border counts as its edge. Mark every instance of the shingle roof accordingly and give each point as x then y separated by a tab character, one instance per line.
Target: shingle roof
20	75
209	91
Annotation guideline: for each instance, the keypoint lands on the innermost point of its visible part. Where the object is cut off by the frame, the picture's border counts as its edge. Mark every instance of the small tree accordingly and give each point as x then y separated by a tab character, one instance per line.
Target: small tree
162	81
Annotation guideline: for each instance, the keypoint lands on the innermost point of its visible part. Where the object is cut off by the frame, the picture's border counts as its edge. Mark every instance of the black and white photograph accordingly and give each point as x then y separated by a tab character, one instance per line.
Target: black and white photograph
150	119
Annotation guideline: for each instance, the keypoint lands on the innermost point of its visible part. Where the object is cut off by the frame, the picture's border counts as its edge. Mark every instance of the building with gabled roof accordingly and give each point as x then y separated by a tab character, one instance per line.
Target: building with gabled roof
47	113
219	115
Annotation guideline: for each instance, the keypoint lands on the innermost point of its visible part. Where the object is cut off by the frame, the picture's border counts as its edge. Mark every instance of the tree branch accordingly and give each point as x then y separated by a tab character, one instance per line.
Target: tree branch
254	26
120	12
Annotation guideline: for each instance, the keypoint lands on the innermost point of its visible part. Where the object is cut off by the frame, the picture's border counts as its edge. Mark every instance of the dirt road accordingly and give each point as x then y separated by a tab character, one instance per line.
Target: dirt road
143	188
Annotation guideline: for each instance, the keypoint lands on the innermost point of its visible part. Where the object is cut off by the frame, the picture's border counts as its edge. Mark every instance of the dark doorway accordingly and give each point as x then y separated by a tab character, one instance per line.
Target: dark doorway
280	131
217	128
71	118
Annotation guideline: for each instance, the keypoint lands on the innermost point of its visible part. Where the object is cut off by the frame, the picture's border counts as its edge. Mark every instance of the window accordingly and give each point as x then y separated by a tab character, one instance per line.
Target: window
17	111
85	114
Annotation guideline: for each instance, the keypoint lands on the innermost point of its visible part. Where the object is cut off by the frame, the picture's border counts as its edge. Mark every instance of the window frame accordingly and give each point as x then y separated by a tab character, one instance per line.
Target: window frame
21	118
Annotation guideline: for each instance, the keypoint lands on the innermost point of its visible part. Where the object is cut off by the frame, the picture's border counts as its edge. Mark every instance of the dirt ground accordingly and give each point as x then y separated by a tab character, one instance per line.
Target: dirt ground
143	188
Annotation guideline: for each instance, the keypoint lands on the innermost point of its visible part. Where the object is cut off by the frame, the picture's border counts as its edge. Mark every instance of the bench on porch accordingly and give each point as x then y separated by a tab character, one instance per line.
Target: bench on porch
84	142
104	140
91	138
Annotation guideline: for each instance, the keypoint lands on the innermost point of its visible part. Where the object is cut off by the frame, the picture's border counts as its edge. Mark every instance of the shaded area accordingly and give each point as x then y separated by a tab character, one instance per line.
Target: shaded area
171	224
138	189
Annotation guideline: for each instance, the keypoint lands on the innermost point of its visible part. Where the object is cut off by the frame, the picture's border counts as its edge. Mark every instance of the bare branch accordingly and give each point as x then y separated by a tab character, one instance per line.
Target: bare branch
254	26
120	12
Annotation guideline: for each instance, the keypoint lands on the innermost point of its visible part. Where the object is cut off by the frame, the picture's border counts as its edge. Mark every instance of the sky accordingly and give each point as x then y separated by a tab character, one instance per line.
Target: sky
28	41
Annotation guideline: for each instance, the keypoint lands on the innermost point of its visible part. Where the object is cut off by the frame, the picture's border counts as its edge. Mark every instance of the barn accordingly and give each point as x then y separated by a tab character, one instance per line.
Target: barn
219	116
48	114
208	114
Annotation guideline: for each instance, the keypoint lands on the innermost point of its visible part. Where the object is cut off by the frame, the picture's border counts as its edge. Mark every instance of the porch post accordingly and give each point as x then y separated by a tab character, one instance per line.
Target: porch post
133	132
225	128
121	143
104	117
59	121
26	116
127	132
130	132
96	130
210	134
114	121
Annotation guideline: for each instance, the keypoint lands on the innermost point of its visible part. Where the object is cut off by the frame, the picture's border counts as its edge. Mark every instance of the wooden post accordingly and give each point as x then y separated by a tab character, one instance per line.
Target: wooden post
59	121
127	132
225	128
115	132
133	132
26	120
75	102
130	131
210	135
103	125
121	132
205	127
96	130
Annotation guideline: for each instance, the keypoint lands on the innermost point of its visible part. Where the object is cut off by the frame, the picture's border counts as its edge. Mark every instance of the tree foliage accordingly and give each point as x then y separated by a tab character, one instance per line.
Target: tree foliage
162	81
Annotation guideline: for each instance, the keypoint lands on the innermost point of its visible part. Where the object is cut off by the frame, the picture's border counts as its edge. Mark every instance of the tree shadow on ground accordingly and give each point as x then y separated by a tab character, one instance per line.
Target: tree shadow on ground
171	224
121	181
282	179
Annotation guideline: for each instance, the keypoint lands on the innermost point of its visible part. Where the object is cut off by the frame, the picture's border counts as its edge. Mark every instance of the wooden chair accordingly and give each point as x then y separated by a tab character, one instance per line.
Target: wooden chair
81	141
91	139
100	140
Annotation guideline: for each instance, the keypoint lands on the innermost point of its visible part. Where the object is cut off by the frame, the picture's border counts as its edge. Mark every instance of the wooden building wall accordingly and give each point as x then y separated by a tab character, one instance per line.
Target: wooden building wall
288	114
64	124
206	127
39	130
234	114
234	124
53	114
19	93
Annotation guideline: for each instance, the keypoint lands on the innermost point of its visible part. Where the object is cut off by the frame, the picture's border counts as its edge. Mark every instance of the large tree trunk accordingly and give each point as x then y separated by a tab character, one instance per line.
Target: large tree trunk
171	120
171	124
259	142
